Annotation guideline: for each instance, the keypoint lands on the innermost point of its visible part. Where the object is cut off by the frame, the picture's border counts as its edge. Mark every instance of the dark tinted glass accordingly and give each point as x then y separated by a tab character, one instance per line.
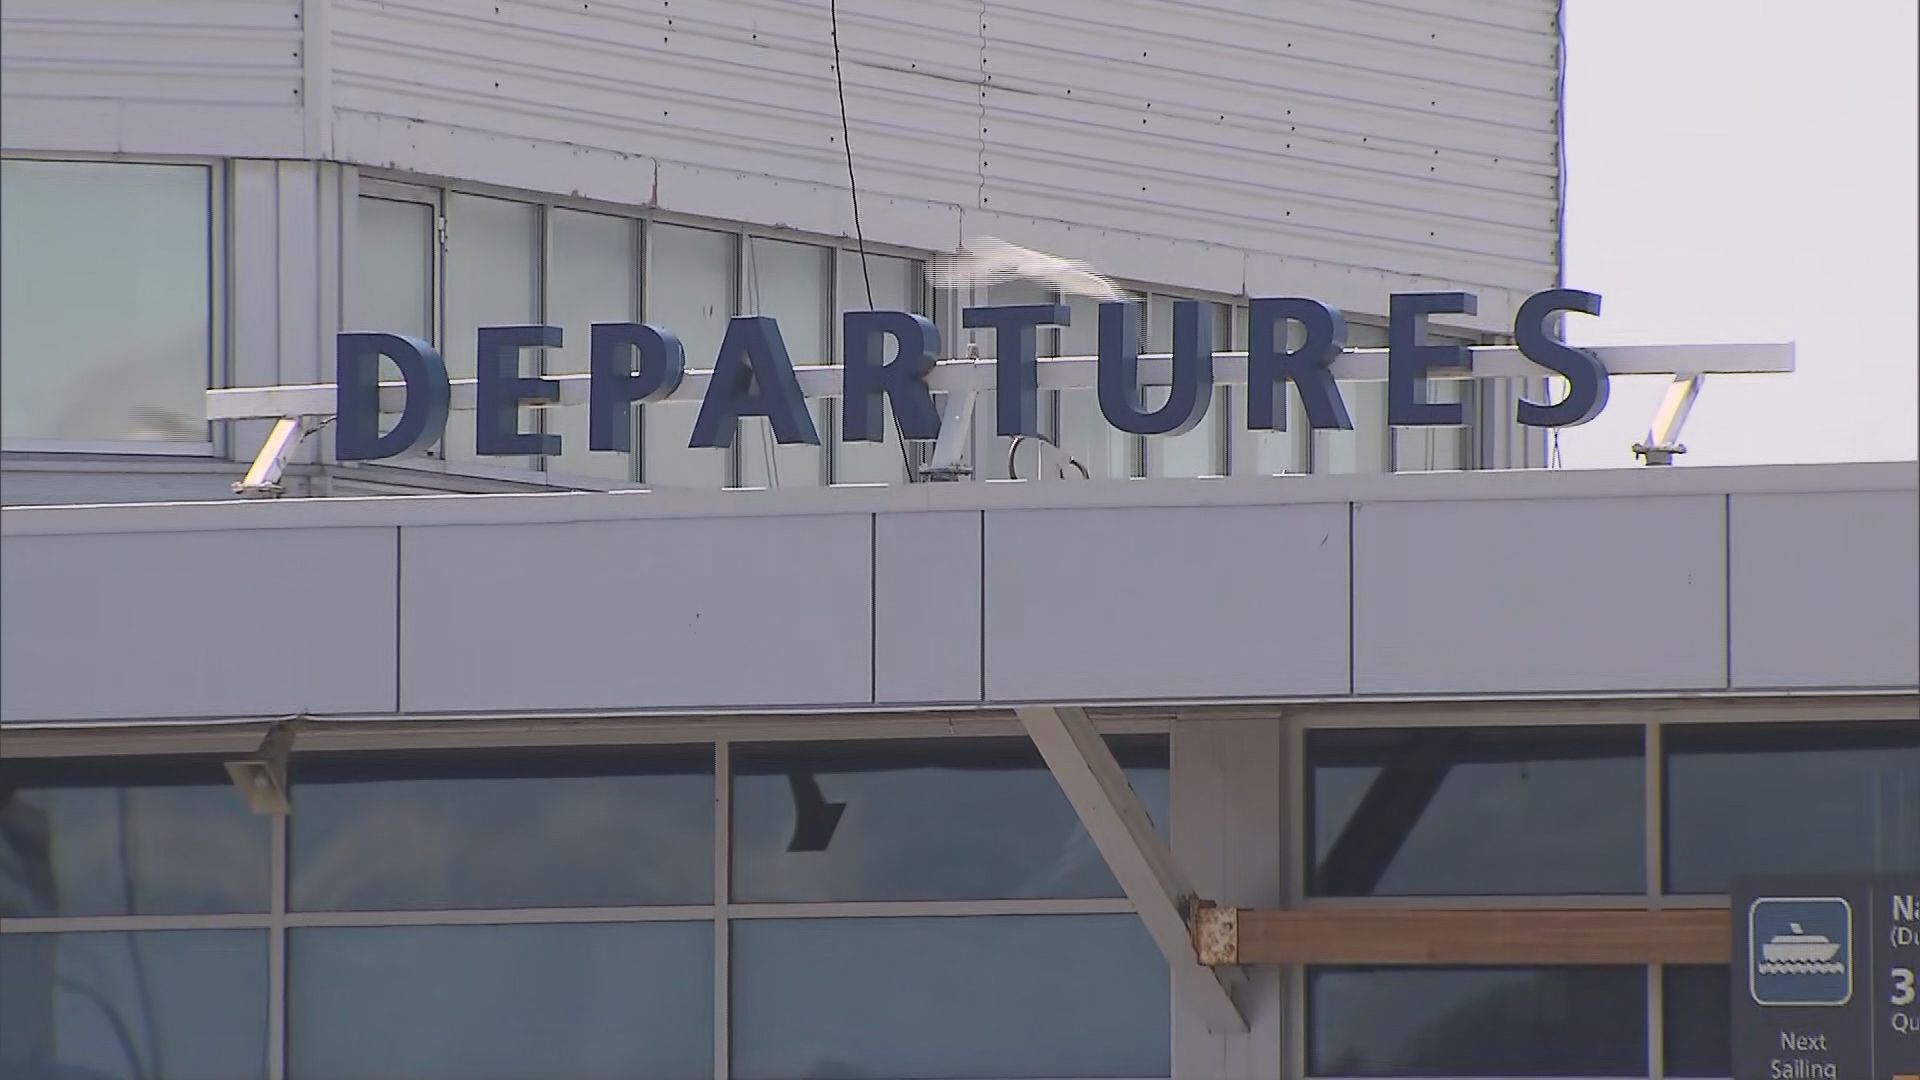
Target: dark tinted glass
948	998
1476	811
586	829
139	1006
1477	1022
584	1000
134	837
928	819
1790	799
1697	1014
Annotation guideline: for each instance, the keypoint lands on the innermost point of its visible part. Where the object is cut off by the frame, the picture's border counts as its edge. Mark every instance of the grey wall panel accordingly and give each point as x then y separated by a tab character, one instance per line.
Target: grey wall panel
1571	595
1213	602
197	624
926	607
1826	589
635	615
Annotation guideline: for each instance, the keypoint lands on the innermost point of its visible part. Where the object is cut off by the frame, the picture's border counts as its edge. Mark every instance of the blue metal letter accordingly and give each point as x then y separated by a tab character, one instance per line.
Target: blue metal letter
753	377
356	409
1016	371
612	386
1410	357
1119	375
1310	366
1586	379
500	388
870	382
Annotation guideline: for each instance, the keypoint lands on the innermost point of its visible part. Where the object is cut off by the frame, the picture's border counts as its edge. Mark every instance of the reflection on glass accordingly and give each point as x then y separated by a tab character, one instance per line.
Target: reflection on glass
132	242
1477	1022
948	998
585	1000
1476	811
1697	1006
920	820
690	287
493	279
787	281
140	1006
148	837
1790	799
896	287
486	830
593	265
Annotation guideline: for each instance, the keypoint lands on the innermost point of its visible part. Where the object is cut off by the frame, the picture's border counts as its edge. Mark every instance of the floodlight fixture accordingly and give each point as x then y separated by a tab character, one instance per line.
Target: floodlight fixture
262	777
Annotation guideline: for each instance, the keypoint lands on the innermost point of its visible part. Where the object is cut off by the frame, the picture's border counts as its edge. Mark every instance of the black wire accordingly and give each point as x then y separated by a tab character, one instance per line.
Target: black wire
853	192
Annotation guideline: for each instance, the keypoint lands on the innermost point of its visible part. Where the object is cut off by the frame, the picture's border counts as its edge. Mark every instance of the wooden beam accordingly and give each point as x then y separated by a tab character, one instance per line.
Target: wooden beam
1516	937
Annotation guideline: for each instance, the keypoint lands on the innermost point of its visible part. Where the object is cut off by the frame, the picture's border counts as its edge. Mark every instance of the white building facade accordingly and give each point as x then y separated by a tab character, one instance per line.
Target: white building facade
238	181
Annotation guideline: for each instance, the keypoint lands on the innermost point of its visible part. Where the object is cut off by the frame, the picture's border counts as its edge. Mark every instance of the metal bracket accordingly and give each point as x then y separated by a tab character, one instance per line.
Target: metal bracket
1663	435
263	476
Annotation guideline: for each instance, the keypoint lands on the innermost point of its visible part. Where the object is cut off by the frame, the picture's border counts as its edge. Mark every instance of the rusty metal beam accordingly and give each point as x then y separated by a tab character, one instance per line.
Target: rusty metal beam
1416	936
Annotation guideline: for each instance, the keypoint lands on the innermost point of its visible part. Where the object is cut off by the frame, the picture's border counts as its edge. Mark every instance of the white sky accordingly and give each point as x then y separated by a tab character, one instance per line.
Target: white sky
1744	170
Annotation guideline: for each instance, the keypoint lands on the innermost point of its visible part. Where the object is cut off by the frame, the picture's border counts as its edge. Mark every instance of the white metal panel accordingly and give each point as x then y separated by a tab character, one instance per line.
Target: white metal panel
926	607
220	77
1825	590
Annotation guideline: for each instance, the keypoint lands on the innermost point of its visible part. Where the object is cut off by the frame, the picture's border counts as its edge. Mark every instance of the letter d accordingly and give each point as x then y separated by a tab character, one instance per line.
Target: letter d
422	420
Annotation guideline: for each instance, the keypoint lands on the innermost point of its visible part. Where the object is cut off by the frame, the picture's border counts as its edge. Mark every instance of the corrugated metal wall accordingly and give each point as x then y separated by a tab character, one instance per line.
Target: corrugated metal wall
1340	147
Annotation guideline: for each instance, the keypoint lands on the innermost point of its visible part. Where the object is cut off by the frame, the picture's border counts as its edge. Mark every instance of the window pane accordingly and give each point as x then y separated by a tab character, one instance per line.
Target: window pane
1364	448
123	251
1084	431
1790	799
923	820
391	287
502	831
493	279
156	837
1477	1022
1268	453
896	287
593	264
154	1004
586	1000
1425	449
789	282
1196	453
1476	811
1698	1011
689	290
952	998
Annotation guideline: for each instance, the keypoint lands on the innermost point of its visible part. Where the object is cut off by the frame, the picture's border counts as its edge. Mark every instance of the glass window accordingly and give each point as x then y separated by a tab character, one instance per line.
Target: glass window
896	287
1364	448
106	273
391	287
1476	811
1790	799
1083	429
493	279
787	281
1477	1022
156	837
691	281
948	998
586	1000
162	1003
1698	1020
1428	449
921	820
593	277
502	830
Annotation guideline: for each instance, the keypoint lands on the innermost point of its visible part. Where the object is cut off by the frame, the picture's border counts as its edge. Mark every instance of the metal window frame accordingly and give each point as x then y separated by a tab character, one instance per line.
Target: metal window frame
218	367
1652	718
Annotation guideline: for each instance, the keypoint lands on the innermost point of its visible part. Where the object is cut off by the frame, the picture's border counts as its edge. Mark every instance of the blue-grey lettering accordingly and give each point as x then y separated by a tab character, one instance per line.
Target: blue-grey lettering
753	376
1270	366
870	382
500	389
1586	380
1410	356
1016	367
1191	389
356	435
614	387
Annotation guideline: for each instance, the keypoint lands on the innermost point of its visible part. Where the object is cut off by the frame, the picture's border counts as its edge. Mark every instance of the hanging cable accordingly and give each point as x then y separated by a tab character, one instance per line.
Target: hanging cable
853	192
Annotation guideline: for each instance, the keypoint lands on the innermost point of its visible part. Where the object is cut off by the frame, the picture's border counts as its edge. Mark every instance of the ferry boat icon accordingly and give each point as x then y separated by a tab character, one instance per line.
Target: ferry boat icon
1797	952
